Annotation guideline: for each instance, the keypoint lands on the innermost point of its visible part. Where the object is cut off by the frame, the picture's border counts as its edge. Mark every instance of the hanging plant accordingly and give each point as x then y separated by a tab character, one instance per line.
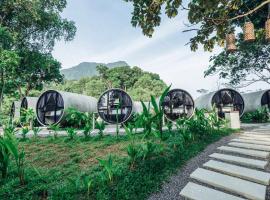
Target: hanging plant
230	43
249	33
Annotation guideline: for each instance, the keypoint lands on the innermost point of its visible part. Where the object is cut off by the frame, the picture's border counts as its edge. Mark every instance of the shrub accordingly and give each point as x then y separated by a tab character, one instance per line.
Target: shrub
71	132
25	130
108	167
261	115
36	130
77	119
101	127
55	128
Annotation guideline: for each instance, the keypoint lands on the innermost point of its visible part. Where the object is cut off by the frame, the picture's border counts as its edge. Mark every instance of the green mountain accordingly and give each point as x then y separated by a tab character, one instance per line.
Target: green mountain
86	69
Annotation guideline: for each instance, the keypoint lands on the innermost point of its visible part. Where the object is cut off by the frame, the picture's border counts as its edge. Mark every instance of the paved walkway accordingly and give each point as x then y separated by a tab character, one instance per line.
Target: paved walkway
237	170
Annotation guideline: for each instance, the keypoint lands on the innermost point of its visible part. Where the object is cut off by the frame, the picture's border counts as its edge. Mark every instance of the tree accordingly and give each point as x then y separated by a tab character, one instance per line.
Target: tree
248	65
35	70
146	87
36	25
9	61
32	28
210	19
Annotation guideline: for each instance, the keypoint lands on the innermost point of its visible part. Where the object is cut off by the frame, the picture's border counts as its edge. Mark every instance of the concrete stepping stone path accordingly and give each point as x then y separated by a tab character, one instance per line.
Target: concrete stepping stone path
240	172
260	164
235	185
247	152
251	141
250	146
198	192
230	176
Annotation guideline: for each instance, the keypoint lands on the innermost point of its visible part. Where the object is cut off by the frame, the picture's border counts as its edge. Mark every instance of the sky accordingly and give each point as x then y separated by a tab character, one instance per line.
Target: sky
105	34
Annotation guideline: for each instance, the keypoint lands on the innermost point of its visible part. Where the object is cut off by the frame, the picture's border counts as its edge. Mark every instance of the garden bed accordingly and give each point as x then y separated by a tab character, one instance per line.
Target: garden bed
64	168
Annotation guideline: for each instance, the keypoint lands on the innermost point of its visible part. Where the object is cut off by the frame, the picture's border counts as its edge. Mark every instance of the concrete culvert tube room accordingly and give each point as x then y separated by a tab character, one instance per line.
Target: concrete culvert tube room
28	103
52	105
256	100
15	110
115	105
225	100
178	104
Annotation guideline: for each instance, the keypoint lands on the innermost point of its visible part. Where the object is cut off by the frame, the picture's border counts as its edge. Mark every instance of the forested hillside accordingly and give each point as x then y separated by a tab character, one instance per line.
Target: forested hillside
86	69
138	83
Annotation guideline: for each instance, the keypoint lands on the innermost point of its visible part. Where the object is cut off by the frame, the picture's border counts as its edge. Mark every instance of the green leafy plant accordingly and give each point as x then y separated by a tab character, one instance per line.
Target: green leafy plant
145	120
108	167
4	155
25	131
55	128
159	111
101	127
88	183
261	115
36	130
87	130
169	125
133	153
28	117
19	156
77	119
71	132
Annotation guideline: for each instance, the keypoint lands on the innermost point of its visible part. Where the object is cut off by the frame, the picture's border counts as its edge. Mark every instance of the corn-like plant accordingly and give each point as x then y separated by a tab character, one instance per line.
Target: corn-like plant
19	156
145	119
88	182
133	153
87	130
108	167
28	117
55	128
159	111
101	127
36	130
169	125
4	157
25	131
71	133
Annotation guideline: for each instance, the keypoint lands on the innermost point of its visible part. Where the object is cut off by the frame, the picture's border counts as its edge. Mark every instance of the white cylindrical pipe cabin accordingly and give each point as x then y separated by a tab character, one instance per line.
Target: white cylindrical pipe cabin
256	100
178	104
28	103
225	100
15	110
115	106
52	106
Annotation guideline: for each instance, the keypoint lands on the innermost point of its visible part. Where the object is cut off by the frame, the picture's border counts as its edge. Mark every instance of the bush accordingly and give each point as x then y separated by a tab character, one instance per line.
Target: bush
261	115
77	119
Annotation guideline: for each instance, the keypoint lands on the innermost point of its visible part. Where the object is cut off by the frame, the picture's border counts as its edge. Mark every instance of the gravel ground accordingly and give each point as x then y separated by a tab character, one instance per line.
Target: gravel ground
171	189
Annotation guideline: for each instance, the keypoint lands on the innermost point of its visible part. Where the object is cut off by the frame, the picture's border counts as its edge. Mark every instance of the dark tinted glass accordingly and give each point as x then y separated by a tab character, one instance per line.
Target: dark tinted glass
178	104
115	105
50	108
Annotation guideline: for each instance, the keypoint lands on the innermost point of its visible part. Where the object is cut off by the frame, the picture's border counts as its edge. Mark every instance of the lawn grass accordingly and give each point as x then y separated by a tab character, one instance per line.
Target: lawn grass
56	168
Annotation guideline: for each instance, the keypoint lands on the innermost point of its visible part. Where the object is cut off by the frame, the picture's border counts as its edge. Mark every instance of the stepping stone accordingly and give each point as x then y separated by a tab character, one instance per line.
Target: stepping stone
240	172
231	184
197	192
250	146
258	133
255	138
251	141
260	164
248	152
